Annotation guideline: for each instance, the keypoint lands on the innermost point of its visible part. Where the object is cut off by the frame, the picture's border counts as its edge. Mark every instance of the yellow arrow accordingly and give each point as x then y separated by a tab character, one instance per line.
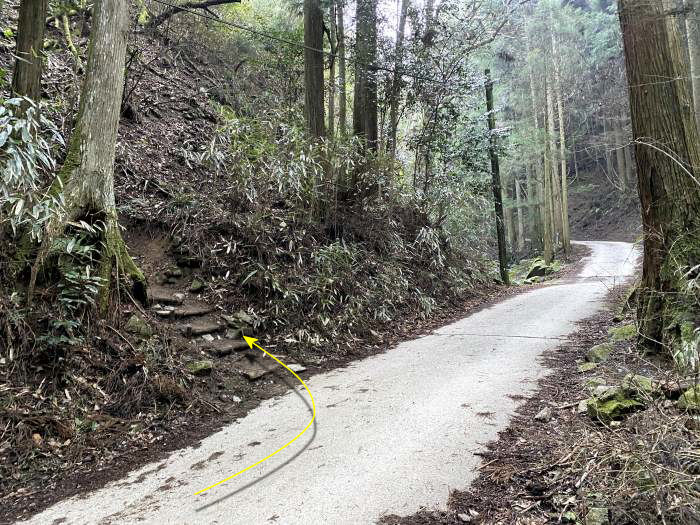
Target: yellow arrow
252	342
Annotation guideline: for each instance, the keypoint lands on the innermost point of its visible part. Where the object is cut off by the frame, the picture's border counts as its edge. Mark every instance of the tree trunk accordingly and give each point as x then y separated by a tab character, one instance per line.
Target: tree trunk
521	225
547	222
620	154
496	182
313	67
364	116
554	167
86	178
536	209
664	129
692	22
629	167
562	140
332	83
342	87
26	79
396	81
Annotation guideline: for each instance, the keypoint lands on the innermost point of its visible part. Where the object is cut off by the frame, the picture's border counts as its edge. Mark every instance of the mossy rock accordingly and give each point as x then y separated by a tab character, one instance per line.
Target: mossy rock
587	367
197	285
200	368
623	333
612	410
539	269
137	326
599	353
639	385
690	399
611	404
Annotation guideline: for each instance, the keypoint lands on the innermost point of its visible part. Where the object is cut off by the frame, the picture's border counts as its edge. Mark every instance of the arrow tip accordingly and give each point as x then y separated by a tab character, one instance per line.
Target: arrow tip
250	341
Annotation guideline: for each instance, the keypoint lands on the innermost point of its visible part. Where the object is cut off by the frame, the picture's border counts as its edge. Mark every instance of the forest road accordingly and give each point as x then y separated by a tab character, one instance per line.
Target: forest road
394	432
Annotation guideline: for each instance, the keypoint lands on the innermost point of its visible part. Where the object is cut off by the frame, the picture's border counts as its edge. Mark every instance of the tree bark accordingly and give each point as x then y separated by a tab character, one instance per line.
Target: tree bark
313	68
667	152
496	183
332	83
26	79
547	222
620	155
342	87
396	81
536	210
565	240
521	224
554	167
692	22
86	178
364	116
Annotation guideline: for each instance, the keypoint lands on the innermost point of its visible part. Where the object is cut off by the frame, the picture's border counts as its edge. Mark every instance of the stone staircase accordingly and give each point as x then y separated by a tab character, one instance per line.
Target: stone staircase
213	338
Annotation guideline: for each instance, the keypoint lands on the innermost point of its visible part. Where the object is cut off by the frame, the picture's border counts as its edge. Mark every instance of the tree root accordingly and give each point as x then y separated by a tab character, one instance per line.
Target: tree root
114	252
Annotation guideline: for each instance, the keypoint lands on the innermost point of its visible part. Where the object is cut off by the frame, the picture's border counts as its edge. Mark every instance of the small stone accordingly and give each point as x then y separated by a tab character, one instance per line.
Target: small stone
295	367
597	516
164	313
464	517
179	296
690	400
137	326
582	407
200	368
599	353
236	399
544	415
208	338
196	286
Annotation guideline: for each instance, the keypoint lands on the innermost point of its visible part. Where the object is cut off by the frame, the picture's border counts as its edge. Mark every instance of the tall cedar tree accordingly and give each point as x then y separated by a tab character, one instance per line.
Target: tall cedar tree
26	79
667	149
364	117
313	67
86	178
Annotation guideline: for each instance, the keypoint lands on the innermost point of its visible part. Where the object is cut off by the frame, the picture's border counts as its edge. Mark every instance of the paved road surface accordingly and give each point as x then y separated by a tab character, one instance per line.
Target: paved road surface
394	432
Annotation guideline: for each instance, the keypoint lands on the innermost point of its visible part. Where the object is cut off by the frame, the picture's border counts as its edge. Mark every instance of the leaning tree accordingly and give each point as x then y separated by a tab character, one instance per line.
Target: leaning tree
86	179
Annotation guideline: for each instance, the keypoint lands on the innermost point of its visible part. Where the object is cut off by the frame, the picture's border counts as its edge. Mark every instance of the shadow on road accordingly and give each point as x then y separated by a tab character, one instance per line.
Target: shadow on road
310	440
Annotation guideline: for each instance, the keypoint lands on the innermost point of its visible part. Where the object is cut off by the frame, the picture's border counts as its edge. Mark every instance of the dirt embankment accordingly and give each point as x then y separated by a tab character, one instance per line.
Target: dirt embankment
600	211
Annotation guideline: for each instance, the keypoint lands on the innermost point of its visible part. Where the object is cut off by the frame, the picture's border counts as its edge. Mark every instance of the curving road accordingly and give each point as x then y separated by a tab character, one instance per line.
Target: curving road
394	432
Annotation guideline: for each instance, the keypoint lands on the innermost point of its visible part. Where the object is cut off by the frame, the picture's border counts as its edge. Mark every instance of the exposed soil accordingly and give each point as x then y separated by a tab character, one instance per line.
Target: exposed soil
560	470
600	211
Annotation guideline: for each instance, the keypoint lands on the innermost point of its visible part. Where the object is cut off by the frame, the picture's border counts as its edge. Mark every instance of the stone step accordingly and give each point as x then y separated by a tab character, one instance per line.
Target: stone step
192	310
196	328
251	369
160	295
224	347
